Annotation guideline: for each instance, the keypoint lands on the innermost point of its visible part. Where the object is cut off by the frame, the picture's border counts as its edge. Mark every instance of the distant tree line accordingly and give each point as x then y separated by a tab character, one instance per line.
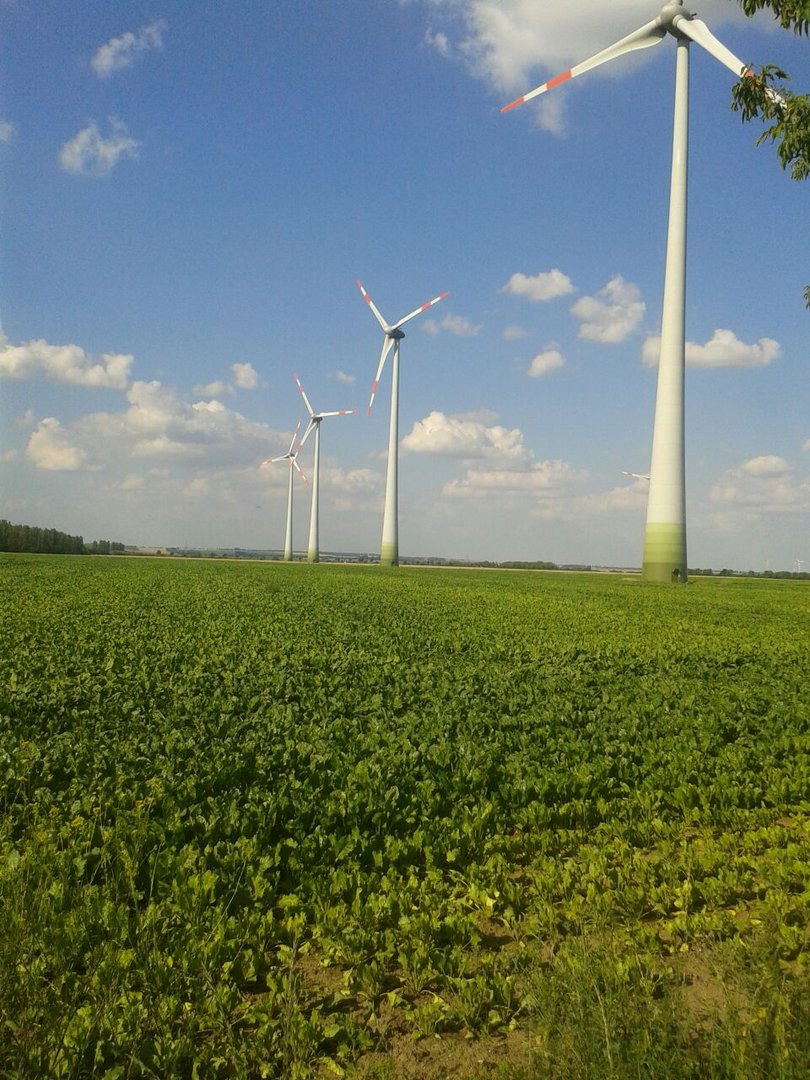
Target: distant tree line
51	541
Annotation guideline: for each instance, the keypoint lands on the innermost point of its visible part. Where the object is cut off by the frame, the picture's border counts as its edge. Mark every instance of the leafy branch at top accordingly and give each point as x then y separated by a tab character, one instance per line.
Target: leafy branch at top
791	14
787	113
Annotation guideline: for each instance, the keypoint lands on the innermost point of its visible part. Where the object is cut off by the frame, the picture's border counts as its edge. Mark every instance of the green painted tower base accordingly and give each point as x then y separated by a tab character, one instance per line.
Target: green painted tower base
665	553
389	556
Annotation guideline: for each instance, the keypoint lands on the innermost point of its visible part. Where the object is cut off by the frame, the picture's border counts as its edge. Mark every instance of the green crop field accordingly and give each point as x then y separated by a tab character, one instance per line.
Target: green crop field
284	820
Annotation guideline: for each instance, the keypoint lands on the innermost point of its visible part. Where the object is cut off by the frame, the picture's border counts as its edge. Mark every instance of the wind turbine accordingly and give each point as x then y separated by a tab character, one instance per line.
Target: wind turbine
290	456
314	424
635	475
389	548
665	536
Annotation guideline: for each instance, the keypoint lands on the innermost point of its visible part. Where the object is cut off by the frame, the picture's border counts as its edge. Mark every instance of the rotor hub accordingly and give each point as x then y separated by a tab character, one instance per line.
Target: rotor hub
670	11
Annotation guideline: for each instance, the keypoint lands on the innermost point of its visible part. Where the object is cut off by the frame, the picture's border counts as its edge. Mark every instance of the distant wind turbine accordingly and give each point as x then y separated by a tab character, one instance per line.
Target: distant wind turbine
389	548
665	536
290	456
313	552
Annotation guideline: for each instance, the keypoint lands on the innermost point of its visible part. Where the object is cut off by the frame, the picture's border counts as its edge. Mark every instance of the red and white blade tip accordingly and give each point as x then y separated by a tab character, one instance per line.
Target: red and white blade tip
649	34
564	77
419	310
374	386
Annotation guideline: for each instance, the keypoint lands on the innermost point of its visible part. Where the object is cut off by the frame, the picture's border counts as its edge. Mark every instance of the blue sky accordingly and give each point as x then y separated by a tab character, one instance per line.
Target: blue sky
189	192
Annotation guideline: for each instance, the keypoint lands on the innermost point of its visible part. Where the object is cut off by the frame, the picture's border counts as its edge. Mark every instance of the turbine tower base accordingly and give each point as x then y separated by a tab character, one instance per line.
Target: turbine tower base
389	555
665	553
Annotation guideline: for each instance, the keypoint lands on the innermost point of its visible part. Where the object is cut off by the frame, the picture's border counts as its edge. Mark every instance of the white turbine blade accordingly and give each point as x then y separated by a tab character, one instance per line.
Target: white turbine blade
371	304
649	34
386	348
307	432
292	440
419	310
699	32
339	412
635	475
294	464
310	410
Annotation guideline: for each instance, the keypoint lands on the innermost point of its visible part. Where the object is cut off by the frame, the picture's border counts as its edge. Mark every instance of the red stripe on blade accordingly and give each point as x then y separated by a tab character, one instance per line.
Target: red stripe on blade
566	75
513	104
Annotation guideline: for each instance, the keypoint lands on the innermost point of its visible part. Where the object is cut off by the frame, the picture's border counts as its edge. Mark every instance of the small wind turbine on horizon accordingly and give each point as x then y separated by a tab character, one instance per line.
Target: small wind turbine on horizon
313	551
290	456
393	334
665	535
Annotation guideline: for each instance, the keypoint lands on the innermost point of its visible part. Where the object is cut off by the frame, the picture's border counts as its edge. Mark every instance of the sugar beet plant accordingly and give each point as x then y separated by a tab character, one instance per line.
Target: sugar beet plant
267	820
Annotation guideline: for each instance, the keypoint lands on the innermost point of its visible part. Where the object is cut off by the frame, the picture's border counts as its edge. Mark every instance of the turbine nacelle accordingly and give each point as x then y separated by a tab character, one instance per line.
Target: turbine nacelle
395	334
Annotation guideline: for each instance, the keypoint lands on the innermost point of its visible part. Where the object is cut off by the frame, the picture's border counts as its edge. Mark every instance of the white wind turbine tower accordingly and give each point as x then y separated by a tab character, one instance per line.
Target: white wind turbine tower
290	456
665	536
313	552
389	548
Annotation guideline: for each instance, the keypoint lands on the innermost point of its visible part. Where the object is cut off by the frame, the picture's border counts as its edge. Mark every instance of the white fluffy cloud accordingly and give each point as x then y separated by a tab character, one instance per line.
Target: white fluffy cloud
89	153
215	389
543	286
49	448
467	436
457	325
159	426
359	481
6	131
120	52
438	41
342	377
165	448
545	362
765	465
514	333
763	484
545	480
63	364
724	349
622	497
245	377
613	314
